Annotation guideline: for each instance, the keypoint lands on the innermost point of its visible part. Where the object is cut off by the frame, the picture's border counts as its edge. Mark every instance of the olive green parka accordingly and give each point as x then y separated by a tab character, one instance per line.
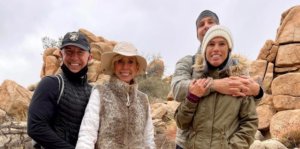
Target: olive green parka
219	121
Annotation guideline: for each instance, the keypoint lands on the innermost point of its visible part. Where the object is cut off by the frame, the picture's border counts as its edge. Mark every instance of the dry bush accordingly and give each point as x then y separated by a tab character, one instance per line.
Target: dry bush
154	87
156	68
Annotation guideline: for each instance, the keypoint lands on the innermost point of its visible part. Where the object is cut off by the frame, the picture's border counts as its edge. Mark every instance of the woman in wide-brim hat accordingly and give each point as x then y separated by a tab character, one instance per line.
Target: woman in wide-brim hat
118	114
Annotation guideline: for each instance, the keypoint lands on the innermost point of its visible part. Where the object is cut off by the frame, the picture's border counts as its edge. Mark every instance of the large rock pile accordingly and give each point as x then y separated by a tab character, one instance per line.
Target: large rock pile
165	125
14	102
278	67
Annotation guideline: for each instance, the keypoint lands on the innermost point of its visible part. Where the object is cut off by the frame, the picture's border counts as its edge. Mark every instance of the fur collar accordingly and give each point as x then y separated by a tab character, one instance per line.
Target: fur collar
236	65
122	87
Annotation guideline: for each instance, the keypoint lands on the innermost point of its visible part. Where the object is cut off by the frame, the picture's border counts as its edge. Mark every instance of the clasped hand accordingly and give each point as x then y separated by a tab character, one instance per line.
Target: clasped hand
237	86
200	86
234	86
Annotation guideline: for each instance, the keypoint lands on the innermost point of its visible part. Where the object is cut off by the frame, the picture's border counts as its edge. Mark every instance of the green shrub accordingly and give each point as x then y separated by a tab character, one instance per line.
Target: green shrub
154	87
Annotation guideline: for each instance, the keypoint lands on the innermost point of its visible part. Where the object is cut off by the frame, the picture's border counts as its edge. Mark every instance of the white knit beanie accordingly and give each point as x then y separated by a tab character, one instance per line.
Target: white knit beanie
217	31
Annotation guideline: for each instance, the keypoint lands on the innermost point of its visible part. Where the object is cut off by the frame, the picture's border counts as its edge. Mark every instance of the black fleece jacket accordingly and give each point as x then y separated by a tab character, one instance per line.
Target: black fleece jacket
42	112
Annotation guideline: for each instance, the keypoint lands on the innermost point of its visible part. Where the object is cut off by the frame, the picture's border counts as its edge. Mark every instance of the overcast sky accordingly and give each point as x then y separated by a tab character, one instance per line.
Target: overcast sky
155	27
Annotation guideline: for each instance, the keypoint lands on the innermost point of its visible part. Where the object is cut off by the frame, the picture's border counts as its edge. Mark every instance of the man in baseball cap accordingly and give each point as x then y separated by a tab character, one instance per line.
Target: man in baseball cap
59	101
75	51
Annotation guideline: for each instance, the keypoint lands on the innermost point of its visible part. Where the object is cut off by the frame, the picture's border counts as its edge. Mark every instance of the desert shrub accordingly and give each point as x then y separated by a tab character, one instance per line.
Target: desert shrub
155	68
154	87
51	43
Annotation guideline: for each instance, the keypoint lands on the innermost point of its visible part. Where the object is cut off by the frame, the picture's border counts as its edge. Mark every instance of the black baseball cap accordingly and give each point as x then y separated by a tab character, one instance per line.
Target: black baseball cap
75	39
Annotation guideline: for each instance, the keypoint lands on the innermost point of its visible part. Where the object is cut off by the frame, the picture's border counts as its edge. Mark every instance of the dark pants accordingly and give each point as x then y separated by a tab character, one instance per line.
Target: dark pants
178	147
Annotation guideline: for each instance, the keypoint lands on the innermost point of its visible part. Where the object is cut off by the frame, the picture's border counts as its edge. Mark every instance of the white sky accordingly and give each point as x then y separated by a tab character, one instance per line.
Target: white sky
155	27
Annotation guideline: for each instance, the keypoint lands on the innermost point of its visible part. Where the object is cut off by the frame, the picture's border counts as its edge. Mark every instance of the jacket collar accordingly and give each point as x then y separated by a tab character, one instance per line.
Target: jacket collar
235	66
121	87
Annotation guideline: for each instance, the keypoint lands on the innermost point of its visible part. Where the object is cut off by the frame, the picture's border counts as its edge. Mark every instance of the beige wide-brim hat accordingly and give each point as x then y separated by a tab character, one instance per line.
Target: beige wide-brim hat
124	49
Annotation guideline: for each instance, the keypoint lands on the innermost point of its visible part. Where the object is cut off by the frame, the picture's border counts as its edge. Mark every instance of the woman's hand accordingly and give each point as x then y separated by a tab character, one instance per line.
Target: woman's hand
200	86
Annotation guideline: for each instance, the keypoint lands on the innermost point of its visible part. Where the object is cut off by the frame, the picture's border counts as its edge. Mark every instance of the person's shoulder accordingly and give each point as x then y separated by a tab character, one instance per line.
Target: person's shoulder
241	65
103	87
49	81
143	97
142	94
241	59
48	87
100	86
186	58
53	79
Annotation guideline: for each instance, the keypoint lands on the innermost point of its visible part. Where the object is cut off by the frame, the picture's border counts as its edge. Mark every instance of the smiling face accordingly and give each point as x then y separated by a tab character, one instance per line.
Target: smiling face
203	25
75	58
126	68
216	51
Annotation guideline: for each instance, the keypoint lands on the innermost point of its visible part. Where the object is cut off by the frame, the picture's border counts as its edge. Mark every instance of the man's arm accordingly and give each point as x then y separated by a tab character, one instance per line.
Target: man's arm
238	86
255	88
40	114
182	78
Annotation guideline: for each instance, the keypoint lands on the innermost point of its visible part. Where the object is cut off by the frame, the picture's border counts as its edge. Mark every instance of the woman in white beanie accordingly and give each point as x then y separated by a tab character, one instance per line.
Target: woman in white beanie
118	114
215	120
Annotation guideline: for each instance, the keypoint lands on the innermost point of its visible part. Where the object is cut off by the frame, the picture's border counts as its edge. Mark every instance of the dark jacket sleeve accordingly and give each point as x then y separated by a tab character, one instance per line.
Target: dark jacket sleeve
40	115
260	94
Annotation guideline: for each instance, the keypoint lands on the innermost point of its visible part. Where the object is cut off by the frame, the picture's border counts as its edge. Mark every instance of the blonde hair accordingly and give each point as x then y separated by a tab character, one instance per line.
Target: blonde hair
117	58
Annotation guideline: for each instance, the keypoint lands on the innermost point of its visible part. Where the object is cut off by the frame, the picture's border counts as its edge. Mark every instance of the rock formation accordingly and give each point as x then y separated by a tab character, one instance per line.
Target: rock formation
14	102
278	66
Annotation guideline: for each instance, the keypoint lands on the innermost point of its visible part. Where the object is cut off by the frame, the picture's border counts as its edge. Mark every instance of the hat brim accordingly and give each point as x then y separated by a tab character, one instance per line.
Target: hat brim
75	44
107	57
